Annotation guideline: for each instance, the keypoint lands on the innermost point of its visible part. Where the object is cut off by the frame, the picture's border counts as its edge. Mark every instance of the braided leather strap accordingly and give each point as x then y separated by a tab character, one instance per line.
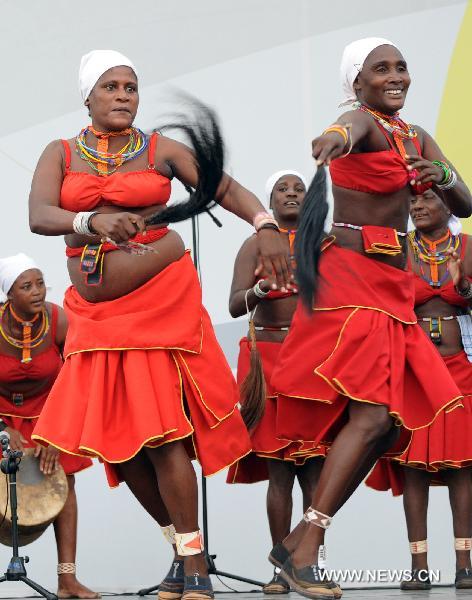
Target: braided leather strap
63	568
463	543
419	547
315	517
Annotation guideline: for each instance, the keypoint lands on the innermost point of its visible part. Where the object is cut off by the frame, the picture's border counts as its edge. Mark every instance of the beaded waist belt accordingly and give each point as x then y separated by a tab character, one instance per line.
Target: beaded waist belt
435	328
259	328
376	239
92	255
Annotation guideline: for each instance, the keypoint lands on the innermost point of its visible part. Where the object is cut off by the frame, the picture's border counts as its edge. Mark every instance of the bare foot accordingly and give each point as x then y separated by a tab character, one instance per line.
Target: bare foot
69	587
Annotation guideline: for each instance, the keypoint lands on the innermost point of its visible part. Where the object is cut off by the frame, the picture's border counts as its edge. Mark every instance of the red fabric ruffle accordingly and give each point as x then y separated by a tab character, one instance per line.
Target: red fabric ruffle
265	444
445	444
361	343
144	370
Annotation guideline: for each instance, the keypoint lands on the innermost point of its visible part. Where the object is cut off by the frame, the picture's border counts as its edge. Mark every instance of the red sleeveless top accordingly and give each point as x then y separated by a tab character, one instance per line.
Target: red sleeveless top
45	366
447	292
382	172
84	191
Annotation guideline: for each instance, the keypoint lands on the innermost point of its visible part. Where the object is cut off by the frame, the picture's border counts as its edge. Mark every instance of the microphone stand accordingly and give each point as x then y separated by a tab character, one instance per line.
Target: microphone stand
16	569
209	558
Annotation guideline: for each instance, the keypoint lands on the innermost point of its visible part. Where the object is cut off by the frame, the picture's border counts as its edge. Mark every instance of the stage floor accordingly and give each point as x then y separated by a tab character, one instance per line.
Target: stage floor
436	593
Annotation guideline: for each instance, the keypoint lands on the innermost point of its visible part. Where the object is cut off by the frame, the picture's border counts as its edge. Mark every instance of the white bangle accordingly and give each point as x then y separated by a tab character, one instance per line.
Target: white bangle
450	183
81	223
258	292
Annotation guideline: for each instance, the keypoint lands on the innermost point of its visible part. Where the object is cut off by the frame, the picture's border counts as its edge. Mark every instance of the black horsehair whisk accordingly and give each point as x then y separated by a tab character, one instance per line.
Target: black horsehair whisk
310	234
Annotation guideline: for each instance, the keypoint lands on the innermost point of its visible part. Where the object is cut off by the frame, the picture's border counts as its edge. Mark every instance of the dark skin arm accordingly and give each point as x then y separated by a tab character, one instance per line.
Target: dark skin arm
457	198
243	280
47	218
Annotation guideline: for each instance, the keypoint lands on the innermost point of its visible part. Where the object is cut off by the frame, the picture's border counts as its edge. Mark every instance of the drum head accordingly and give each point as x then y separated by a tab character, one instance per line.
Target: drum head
40	499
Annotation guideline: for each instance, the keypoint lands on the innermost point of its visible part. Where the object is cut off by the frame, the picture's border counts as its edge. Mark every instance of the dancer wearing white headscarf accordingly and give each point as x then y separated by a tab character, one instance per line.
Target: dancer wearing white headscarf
138	332
279	461
31	341
356	370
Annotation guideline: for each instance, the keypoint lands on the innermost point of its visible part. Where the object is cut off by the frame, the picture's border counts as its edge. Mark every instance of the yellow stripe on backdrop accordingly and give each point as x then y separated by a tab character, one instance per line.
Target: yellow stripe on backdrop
454	127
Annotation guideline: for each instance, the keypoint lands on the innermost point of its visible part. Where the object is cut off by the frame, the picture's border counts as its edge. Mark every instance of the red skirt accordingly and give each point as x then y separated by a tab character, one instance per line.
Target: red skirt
361	342
445	444
71	464
144	370
265	444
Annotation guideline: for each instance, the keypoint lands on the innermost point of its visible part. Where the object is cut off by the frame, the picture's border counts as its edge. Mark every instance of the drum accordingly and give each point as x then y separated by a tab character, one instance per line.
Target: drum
40	499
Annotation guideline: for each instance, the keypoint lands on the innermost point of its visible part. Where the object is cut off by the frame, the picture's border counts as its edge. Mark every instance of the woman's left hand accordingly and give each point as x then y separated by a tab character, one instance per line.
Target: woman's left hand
456	269
426	171
273	262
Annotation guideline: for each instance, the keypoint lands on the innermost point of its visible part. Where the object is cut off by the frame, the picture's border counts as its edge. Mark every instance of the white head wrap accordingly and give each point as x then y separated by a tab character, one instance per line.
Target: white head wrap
97	62
454	224
12	267
353	59
270	183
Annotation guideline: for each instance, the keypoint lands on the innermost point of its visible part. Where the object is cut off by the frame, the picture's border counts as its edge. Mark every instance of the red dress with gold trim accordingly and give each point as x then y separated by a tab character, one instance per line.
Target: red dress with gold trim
446	443
360	342
144	369
44	367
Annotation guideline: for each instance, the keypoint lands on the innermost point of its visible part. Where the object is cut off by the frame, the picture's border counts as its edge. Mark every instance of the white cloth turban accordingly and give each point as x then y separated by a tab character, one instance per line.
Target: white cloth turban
12	267
269	186
353	59
97	62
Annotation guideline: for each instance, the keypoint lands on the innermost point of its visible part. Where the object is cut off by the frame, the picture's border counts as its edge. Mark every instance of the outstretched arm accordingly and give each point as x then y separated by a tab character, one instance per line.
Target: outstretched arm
237	199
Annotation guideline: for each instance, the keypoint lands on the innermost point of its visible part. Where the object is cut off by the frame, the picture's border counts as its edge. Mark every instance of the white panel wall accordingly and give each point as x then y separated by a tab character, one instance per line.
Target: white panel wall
271	104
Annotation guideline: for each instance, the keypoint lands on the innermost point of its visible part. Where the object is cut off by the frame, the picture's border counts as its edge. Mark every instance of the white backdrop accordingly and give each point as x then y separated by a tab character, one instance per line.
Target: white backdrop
270	68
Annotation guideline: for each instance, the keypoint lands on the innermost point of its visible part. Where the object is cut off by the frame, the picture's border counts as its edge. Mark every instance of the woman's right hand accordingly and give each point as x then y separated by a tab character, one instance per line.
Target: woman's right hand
119	227
327	146
16	439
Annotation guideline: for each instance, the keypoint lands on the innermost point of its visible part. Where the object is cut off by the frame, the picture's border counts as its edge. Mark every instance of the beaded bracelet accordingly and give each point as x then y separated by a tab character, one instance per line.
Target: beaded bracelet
263	218
450	183
467	293
81	223
345	132
258	292
338	129
446	169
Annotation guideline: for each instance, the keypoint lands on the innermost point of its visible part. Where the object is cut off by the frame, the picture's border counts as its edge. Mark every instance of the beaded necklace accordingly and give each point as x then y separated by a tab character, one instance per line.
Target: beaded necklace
425	252
28	342
104	162
291	241
394	125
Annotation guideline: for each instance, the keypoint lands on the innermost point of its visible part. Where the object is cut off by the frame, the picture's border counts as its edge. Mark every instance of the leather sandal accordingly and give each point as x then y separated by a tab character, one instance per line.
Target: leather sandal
197	587
278	555
310	582
276	585
172	586
463	579
419	581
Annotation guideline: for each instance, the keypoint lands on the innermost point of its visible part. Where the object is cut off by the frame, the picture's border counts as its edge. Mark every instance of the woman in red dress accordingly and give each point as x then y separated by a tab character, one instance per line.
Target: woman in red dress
441	260
355	364
138	333
31	342
279	461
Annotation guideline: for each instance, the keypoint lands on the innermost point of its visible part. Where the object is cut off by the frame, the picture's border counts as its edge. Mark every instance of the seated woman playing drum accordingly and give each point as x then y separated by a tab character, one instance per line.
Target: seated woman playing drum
32	337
